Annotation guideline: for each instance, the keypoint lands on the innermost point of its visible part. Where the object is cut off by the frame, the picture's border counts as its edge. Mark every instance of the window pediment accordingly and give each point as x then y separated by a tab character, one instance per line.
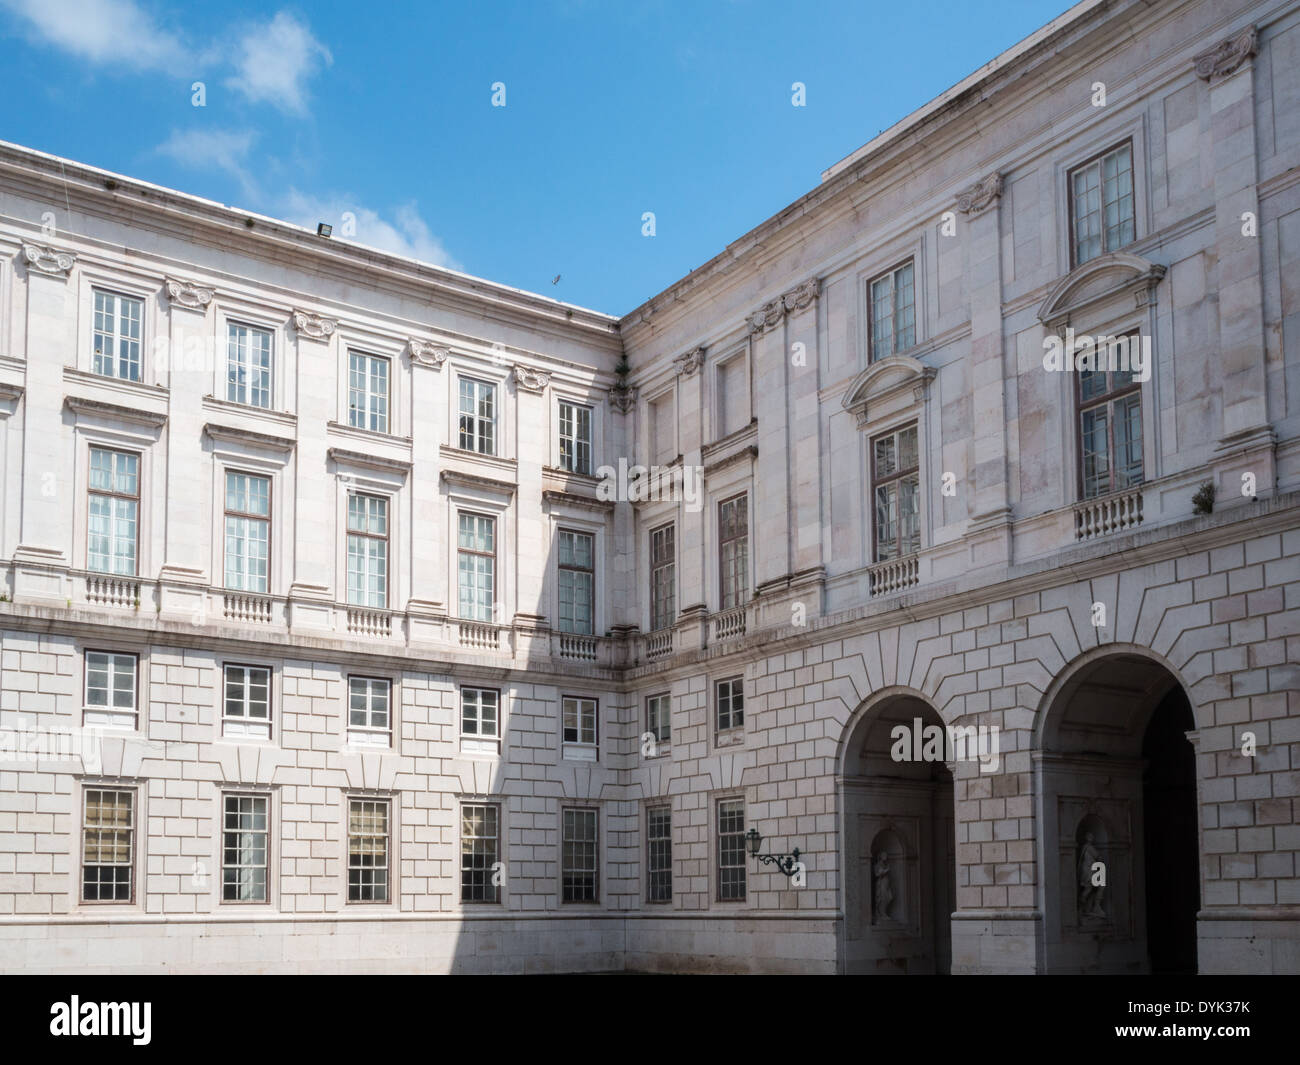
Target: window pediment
887	387
1099	281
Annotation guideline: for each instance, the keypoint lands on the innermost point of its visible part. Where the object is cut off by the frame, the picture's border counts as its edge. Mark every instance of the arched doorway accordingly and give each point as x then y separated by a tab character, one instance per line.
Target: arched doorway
899	849
1118	811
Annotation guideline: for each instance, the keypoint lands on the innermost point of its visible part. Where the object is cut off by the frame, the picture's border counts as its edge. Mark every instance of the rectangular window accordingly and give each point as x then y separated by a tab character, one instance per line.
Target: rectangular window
248	365
248	531
731	850
114	511
367	850
245	846
893	313
1110	429
733	550
476	566
368	392
117	336
1101	205
247	702
577	582
110	689
575	437
369	711
478	416
733	396
731	703
896	490
479	719
108	845
663	577
658	714
580	731
580	847
480	836
659	854
367	550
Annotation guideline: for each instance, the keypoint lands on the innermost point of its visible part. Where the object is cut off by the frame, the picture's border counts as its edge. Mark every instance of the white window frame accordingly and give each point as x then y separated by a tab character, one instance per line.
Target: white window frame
267	833
718	868
1098	161
664	737
493	557
560	570
113	494
483	863
595	871
479	740
366	536
132	846
389	866
107	716
733	726
651	810
892	276
249	520
98	290
575	440
245	725
580	749
671	620
477	422
370	735
370	398
233	365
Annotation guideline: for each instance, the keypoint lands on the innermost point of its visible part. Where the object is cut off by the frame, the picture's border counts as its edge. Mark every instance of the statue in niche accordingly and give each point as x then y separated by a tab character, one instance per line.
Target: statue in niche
884	888
1092	884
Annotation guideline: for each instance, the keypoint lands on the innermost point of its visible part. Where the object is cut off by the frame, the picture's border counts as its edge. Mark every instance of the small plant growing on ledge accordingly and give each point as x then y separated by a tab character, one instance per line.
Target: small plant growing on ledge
137	604
1203	501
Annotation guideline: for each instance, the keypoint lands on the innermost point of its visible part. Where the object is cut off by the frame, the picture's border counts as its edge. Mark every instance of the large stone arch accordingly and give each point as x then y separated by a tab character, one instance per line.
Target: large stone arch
897	837
1116	796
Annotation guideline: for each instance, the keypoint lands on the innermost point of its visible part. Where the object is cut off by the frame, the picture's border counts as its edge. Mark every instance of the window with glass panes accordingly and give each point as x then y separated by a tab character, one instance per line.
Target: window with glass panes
368	850
478	415
896	493
730	703
368	392
579	721
733	550
247	701
575	437
663	577
1101	204
579	849
117	336
731	850
1110	429
369	706
577	582
659	854
367	550
110	689
893	313
476	565
108	845
245	848
658	713
478	712
248	365
113	511
248	531
480	837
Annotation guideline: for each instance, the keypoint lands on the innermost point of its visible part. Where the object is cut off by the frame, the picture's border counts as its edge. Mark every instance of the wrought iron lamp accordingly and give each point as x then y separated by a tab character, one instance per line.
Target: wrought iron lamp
786	863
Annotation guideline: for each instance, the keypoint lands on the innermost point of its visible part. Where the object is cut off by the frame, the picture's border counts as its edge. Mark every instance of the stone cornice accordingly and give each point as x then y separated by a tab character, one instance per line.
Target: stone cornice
344	457
980	196
47	260
1227	57
1099	280
427	353
232	435
531	380
687	364
188	294
316	326
98	408
553	498
771	314
475	480
885	380
745	453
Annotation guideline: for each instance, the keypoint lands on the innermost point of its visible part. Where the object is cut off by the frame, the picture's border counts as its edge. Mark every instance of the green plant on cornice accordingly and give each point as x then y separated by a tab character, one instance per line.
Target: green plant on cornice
623	369
1203	501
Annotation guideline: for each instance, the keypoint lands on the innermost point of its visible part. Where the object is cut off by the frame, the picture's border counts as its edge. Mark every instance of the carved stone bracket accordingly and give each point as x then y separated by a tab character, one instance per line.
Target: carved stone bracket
1227	57
687	364
188	294
981	195
797	299
531	380
316	326
427	353
48	260
623	398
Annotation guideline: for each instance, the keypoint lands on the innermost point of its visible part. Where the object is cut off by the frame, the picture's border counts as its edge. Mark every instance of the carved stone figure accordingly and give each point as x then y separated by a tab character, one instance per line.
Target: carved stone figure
1090	894
884	887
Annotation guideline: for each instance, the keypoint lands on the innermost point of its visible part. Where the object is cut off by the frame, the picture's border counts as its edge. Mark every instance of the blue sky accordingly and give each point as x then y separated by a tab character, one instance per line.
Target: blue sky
611	110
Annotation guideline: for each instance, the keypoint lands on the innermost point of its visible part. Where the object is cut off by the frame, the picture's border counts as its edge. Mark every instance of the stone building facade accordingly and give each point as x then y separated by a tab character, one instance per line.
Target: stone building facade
327	646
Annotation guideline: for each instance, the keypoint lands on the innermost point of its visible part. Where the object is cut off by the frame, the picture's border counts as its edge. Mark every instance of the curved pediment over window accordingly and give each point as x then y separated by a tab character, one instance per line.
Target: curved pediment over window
887	387
1099	281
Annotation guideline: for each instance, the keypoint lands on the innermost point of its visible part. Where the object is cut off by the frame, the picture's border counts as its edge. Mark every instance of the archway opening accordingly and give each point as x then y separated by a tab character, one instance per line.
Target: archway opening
1121	875
900	860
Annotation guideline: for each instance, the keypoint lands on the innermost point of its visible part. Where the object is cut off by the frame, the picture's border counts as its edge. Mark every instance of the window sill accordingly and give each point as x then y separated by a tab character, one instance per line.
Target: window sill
478	745
580	753
366	434
732	737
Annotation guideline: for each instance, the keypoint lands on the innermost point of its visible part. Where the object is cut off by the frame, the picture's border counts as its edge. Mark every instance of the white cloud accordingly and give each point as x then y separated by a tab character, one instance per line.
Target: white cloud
274	62
106	31
225	150
407	234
